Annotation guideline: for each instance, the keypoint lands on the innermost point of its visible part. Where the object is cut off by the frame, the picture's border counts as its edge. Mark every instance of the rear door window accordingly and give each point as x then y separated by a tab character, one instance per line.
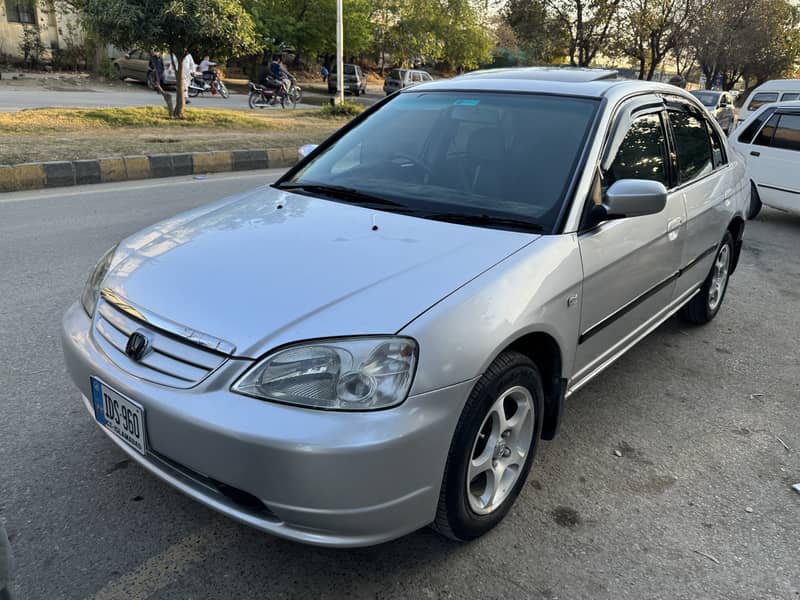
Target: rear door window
789	96
693	145
746	137
762	98
787	134
764	137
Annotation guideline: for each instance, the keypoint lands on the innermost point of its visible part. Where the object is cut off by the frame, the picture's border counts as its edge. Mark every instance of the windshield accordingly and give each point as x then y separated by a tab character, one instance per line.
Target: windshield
761	99
505	156
707	98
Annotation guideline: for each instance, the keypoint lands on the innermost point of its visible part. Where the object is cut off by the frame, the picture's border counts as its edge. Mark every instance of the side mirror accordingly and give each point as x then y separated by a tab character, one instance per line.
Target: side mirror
306	150
631	198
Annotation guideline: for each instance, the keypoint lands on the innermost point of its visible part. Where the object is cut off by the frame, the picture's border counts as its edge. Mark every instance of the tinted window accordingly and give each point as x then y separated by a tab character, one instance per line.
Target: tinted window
788	97
746	136
764	137
396	74
787	135
642	154
502	155
692	144
761	99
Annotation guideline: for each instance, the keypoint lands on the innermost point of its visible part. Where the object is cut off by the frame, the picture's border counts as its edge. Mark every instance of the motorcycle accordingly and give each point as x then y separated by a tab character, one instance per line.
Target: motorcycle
201	84
274	92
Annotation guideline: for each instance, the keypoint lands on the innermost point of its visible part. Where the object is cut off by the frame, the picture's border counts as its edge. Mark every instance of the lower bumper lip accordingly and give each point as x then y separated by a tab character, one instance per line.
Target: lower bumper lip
331	479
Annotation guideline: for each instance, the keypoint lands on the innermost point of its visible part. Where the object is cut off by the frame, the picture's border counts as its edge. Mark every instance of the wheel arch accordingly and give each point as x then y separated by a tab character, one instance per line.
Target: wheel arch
544	351
736	227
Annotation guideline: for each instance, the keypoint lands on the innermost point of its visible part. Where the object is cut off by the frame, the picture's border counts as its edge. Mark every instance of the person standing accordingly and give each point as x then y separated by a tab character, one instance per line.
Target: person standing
189	69
325	73
156	70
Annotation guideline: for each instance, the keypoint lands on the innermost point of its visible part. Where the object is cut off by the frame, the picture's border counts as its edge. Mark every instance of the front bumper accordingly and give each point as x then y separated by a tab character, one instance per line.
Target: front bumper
325	478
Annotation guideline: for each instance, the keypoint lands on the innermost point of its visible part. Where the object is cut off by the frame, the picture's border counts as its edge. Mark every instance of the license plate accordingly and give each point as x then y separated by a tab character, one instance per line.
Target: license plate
119	414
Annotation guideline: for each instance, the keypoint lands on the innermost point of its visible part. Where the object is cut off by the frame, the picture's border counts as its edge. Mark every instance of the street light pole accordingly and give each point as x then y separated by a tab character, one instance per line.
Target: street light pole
339	53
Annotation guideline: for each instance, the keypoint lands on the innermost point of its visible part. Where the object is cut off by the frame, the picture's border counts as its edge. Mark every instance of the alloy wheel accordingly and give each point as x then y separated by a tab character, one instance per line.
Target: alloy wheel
719	277
500	450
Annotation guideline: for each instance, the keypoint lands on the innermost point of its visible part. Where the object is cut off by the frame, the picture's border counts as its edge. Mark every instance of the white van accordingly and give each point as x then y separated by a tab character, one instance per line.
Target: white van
777	90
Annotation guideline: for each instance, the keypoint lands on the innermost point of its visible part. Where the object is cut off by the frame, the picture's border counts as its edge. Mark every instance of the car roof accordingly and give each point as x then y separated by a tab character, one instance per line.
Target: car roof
566	74
589	83
779	85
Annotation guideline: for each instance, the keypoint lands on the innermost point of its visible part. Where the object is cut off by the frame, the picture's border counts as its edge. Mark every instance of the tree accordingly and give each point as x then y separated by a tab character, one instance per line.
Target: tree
588	23
753	39
541	37
217	27
309	26
651	29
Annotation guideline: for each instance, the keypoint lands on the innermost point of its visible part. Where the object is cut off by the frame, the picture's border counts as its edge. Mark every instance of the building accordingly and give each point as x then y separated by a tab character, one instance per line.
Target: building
57	27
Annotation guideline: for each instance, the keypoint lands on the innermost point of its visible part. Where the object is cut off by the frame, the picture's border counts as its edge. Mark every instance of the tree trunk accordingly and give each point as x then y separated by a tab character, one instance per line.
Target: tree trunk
180	96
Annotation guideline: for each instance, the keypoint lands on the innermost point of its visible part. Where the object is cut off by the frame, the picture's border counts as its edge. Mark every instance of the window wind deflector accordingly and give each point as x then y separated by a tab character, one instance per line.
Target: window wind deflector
485	220
339	192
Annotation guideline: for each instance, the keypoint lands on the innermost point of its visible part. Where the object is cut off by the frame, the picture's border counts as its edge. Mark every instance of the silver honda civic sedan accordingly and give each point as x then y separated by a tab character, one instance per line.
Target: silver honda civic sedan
378	341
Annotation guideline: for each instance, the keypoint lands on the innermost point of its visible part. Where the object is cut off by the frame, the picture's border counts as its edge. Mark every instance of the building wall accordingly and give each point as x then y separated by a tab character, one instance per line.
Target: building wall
57	29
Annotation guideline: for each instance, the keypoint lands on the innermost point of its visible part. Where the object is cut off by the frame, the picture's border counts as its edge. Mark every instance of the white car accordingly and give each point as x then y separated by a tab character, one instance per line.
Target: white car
769	140
776	90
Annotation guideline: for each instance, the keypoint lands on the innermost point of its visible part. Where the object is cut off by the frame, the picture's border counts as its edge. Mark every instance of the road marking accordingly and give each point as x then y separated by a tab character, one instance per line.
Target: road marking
165	568
268	175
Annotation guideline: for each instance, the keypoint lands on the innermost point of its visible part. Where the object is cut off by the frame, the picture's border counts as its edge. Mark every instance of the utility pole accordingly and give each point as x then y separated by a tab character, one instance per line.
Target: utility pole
339	53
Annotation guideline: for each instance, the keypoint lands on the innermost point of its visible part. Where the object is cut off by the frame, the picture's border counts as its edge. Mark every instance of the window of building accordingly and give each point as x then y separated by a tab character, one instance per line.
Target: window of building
17	12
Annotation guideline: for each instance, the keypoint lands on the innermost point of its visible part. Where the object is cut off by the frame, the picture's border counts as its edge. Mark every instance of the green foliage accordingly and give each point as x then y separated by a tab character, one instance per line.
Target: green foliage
31	46
309	26
344	110
541	36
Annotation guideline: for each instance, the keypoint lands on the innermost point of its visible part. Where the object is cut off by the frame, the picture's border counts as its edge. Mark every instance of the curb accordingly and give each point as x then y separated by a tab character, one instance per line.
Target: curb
33	176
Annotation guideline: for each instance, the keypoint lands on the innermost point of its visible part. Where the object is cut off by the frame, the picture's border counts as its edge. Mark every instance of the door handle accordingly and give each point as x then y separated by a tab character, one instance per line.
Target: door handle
672	228
673	224
754	153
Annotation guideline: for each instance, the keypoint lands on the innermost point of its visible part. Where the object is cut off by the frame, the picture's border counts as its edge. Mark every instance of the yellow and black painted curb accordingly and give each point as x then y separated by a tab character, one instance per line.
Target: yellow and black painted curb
32	176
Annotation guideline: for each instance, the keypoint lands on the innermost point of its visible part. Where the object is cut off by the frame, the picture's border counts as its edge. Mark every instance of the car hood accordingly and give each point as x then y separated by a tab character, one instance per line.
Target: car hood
272	267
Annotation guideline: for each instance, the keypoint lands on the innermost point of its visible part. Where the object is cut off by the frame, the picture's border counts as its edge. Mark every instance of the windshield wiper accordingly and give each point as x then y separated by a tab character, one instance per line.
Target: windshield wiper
486	221
341	192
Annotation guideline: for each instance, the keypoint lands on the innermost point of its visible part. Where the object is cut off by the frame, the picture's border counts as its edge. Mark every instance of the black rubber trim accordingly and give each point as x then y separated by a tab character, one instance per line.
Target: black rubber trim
622	311
779	189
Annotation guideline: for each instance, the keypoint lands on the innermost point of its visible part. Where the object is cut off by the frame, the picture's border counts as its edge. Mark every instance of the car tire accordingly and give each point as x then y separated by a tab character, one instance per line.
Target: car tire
491	433
755	202
706	304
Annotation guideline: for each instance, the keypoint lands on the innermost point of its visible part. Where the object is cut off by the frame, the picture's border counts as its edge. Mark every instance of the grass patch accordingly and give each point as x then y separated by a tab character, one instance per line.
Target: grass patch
78	119
39	135
345	110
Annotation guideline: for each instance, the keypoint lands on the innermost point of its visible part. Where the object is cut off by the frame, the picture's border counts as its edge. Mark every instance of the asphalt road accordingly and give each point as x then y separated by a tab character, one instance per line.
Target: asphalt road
13	99
698	505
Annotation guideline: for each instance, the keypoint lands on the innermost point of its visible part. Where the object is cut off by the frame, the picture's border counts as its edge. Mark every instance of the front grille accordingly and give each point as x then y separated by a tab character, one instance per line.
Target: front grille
172	362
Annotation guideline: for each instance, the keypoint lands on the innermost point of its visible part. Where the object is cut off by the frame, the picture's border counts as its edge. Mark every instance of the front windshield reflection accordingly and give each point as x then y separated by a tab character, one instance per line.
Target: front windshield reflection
499	154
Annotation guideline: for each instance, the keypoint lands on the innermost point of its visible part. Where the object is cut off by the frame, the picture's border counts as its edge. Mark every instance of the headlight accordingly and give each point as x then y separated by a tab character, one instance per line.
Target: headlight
344	374
91	291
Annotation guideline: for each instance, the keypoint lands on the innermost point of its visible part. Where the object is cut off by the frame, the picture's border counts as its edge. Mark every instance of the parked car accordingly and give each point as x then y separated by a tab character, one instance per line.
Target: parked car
720	105
380	340
355	80
769	141
777	90
398	79
136	65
